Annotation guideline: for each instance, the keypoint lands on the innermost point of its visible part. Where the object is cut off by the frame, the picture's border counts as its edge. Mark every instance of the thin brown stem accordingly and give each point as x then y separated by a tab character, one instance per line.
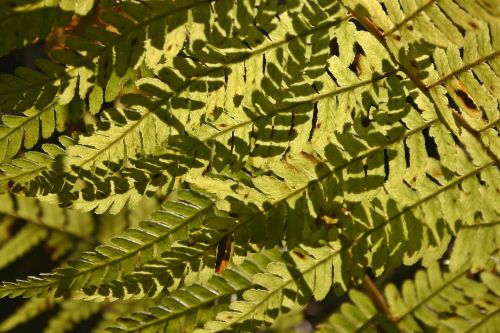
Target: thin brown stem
378	299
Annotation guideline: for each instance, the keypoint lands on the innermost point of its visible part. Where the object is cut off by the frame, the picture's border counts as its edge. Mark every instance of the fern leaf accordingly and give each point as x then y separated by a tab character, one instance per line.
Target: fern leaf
28	310
433	300
190	260
287	282
475	245
39	15
359	315
122	142
27	238
47	217
181	309
433	296
135	247
70	314
97	50
25	131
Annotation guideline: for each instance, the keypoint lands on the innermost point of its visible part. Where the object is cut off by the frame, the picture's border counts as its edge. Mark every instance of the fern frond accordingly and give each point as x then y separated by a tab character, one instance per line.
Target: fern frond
475	245
28	310
71	313
287	282
22	172
359	315
383	239
96	50
166	113
22	242
15	17
328	139
17	132
135	247
433	300
181	309
74	224
444	301
27	238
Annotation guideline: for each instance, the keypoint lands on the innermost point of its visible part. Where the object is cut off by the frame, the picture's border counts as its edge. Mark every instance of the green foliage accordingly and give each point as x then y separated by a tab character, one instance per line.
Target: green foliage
213	165
433	301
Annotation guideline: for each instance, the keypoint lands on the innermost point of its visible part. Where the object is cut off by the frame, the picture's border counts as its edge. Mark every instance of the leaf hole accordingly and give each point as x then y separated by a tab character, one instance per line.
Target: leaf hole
430	145
313	121
466	99
334	47
407	154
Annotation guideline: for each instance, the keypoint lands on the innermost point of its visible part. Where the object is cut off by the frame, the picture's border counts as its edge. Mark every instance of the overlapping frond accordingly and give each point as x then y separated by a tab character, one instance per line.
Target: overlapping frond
328	139
18	132
162	114
70	314
28	310
123	253
452	302
181	309
434	300
40	15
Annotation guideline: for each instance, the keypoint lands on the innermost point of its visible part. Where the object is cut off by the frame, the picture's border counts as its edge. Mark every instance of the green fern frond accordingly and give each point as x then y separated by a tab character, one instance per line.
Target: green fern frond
476	245
286	283
127	140
135	247
436	299
359	315
186	262
27	238
181	309
39	15
92	51
433	300
18	132
318	141
71	313
74	224
28	310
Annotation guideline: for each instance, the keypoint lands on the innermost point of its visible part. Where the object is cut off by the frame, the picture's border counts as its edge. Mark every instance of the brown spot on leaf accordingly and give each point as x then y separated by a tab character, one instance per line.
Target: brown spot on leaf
409	27
310	157
473	25
223	254
466	99
397	37
299	255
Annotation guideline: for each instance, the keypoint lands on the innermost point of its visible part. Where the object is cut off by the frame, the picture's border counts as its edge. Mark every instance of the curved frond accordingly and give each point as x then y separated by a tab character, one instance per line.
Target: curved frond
180	310
285	284
28	310
70	314
295	145
27	238
433	300
445	301
133	248
19	132
360	315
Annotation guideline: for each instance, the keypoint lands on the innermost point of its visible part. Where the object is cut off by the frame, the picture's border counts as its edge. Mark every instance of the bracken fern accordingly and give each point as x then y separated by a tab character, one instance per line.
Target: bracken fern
214	165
